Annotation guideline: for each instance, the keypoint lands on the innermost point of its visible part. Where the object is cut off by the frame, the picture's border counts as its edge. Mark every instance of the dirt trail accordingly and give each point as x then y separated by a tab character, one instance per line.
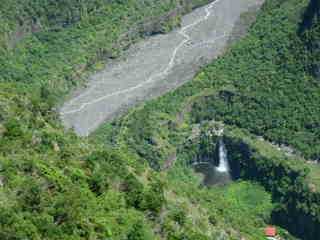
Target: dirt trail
155	65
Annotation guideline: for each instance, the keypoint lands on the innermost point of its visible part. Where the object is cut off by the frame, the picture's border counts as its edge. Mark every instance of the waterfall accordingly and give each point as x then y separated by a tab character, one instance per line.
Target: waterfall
223	158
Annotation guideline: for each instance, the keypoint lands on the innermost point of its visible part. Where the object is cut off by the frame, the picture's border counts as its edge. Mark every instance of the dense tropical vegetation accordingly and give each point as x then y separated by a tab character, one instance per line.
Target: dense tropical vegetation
267	83
49	44
55	185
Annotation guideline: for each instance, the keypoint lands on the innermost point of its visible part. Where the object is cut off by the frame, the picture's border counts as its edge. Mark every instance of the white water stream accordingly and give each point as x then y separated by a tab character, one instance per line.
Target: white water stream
223	158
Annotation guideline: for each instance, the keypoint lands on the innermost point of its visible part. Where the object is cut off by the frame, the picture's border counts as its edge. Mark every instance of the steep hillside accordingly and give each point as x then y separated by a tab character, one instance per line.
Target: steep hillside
263	84
50	44
55	185
267	84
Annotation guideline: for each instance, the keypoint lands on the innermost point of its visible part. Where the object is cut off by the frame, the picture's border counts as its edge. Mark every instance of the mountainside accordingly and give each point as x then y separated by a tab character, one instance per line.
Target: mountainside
155	65
50	44
133	178
266	84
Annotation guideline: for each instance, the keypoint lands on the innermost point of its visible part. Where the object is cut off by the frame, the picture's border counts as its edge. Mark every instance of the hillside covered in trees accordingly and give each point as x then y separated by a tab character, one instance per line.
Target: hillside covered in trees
132	179
267	85
50	44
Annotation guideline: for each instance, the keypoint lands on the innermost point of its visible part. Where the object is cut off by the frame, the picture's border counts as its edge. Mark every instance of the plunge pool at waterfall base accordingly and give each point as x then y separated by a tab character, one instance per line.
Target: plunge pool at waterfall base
216	175
211	176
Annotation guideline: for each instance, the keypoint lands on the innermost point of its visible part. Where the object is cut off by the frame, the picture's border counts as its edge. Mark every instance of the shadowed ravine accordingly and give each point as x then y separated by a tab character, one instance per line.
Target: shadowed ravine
155	65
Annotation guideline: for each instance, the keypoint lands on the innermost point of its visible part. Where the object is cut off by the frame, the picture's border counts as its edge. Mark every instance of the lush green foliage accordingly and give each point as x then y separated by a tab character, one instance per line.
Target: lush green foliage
270	91
286	178
57	186
267	83
50	44
262	84
54	185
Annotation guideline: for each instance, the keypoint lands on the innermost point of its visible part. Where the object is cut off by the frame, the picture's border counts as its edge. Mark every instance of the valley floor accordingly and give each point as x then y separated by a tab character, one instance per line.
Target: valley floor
155	65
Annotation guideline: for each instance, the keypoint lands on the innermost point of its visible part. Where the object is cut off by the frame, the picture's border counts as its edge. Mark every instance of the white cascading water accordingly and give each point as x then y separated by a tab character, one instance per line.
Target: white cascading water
223	158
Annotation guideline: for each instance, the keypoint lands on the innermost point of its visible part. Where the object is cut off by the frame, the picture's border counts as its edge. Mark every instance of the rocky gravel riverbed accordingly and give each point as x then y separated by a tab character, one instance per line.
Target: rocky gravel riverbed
155	65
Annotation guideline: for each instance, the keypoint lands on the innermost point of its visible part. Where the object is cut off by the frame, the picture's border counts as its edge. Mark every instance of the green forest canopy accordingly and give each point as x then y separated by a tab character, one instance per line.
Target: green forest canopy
55	185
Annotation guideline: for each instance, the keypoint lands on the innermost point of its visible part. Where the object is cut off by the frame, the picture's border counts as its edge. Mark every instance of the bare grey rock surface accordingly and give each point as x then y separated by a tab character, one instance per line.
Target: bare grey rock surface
155	65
